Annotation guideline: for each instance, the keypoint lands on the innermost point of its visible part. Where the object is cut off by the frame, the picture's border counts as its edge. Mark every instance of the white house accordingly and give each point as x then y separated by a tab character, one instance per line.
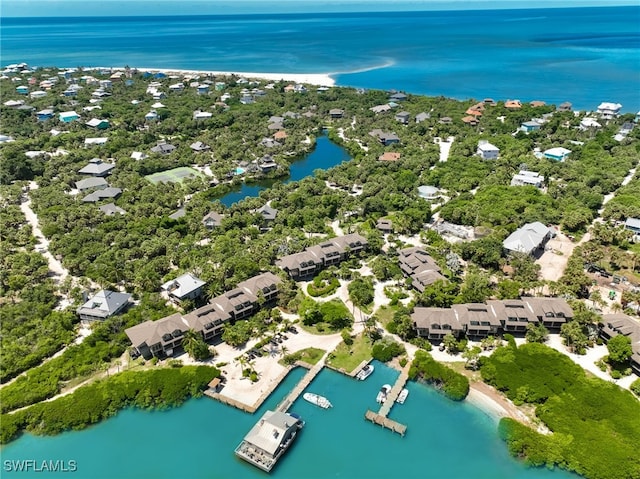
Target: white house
183	287
428	192
527	178
487	151
609	110
588	123
528	239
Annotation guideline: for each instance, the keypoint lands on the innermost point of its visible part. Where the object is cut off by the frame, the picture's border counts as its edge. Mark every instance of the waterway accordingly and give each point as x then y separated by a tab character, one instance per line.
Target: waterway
444	440
325	155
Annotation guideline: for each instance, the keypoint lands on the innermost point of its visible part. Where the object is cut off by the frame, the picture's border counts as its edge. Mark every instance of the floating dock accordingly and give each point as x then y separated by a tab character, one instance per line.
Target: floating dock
380	417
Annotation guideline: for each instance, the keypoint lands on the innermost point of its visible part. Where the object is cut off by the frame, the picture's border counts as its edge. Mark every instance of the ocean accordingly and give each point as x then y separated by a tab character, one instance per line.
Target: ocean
444	440
581	55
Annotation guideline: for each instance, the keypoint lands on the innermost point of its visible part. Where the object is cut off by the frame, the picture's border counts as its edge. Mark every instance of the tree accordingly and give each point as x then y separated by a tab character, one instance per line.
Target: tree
619	349
194	346
475	289
471	356
575	337
536	333
440	294
450	343
361	291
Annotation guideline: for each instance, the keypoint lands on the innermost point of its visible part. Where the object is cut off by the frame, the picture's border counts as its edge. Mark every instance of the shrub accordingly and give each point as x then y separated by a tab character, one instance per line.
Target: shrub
386	350
403	362
453	384
346	337
635	387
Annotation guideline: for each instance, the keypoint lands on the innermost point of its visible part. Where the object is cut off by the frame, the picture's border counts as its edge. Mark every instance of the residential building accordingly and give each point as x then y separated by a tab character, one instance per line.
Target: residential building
384	137
68	116
95	141
428	192
89	183
97	167
416	264
403	117
380	108
98	124
398	97
45	114
616	324
478	320
420	117
384	225
268	213
588	123
163	149
487	151
184	287
513	104
558	153
529	126
633	224
331	252
527	178
529	239
566	106
609	110
104	304
212	220
199	147
110	209
336	113
102	194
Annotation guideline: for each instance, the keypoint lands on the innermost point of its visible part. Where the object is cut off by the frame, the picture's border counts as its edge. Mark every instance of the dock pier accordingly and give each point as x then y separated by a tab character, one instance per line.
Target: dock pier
301	386
380	417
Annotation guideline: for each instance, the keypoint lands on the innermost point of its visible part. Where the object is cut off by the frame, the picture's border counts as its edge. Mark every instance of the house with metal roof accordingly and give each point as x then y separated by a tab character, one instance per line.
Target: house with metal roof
527	178
529	239
487	151
558	153
184	287
104	304
97	167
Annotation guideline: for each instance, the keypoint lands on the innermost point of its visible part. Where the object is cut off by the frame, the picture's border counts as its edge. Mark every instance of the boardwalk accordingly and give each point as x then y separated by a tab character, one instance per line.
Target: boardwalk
387	423
395	391
301	386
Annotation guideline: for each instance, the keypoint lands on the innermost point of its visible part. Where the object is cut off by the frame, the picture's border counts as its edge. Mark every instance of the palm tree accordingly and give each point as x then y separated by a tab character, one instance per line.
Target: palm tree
284	351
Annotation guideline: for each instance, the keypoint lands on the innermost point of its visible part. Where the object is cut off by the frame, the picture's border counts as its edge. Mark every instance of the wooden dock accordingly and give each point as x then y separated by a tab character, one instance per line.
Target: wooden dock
301	386
395	391
385	422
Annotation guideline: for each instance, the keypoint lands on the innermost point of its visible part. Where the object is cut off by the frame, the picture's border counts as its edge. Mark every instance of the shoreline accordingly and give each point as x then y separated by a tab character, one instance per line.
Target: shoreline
318	79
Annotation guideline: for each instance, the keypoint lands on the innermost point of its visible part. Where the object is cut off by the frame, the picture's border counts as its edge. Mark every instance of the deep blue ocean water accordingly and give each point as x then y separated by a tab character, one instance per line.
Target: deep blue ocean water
444	440
325	155
582	55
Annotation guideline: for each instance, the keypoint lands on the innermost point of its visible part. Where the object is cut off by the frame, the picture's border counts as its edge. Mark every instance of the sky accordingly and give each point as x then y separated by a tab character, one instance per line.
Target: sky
71	8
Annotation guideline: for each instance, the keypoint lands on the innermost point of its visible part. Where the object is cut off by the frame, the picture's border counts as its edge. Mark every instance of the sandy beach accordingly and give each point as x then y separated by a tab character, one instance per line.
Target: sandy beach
318	79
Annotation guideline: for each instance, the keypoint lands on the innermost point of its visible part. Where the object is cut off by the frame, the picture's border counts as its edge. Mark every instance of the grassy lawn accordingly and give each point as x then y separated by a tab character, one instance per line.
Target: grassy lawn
385	314
318	328
308	355
349	357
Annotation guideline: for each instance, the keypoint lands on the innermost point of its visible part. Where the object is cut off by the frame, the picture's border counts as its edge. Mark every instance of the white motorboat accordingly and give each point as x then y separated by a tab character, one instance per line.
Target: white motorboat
365	372
382	395
318	400
402	397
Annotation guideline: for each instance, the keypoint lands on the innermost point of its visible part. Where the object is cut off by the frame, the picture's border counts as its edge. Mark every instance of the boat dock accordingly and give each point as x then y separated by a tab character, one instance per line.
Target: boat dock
385	422
301	386
380	417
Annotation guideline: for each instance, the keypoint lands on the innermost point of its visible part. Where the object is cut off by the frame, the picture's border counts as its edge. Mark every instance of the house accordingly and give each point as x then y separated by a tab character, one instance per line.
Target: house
44	115
380	108
68	116
477	320
633	224
416	264
202	115
14	103
269	143
336	113
138	155
384	137
247	100
38	94
212	220
527	178
98	124
529	126
558	153
280	135
110	209
470	120
420	117
487	151
151	116
384	225
96	167
96	141
163	149
403	117
428	192
267	163
102	194
90	183
529	239
176	87
566	106
609	110
184	287
202	89
616	324
588	123
22	89
314	258
389	156
537	103
268	213
513	104
445	120
104	304
398	97
199	147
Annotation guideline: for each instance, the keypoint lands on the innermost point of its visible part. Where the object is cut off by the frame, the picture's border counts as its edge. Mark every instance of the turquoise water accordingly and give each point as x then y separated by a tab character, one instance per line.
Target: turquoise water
239	170
581	55
444	440
325	155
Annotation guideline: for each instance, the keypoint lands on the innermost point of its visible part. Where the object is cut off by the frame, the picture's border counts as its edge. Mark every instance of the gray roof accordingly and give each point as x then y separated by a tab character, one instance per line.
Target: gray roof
111	209
104	304
151	332
88	183
632	223
105	193
271	431
267	212
97	167
212	218
163	148
199	146
527	238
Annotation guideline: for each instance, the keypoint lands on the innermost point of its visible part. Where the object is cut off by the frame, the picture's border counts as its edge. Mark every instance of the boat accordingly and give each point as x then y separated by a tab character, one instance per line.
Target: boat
402	397
318	400
365	372
382	395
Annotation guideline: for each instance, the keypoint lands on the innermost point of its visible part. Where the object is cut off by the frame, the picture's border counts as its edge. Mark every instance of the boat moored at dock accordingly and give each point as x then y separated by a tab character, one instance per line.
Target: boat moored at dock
402	397
269	438
382	394
365	372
